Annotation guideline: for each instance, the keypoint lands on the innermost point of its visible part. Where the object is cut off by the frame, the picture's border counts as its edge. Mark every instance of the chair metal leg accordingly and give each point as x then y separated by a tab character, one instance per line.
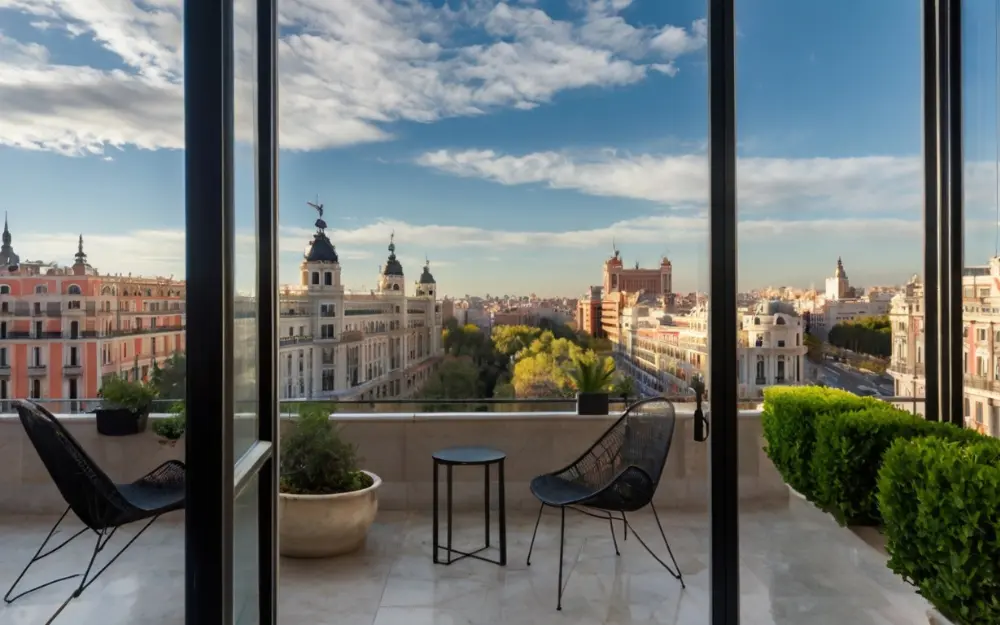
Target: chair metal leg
83	586
562	540
625	528
533	534
611	523
680	576
38	556
676	570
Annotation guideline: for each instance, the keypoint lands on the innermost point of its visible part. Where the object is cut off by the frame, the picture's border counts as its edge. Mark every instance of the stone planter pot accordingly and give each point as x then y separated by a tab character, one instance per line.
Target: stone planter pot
167	442
321	526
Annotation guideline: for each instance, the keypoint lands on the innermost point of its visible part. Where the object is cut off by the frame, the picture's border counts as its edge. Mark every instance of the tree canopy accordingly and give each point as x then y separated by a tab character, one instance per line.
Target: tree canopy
170	379
512	361
870	335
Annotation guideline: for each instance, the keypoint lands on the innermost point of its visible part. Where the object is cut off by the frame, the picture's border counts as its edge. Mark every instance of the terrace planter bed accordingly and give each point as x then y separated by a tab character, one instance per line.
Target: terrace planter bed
932	488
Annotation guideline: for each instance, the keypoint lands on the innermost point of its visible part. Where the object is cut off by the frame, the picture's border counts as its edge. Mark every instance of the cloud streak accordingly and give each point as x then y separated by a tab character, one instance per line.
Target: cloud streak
768	187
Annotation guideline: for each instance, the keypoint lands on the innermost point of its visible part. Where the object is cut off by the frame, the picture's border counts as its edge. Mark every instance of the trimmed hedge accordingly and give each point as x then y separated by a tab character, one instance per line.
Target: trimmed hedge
788	426
940	503
848	454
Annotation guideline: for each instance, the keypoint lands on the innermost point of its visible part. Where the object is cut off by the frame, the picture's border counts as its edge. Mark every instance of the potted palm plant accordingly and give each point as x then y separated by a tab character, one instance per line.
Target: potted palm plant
124	406
326	504
171	429
591	378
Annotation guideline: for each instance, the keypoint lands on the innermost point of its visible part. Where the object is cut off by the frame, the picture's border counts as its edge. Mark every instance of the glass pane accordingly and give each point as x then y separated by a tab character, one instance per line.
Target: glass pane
245	197
246	557
980	293
830	243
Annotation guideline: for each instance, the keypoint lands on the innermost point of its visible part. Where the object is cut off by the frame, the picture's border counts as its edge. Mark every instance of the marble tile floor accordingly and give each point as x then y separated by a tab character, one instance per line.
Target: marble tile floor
797	567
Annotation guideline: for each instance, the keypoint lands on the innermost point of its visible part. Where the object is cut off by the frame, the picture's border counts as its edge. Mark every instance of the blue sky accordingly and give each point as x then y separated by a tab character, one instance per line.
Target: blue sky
511	143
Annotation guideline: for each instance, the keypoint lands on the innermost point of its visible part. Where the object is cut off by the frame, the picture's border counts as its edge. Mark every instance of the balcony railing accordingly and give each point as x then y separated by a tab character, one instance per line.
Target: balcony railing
982	383
285	341
901	367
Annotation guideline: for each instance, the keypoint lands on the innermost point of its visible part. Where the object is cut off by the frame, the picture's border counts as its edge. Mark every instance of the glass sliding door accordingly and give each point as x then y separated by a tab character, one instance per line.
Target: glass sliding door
231	214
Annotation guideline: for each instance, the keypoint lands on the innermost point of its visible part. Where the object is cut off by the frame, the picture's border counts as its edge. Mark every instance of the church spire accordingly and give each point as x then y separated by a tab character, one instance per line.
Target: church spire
81	257
6	230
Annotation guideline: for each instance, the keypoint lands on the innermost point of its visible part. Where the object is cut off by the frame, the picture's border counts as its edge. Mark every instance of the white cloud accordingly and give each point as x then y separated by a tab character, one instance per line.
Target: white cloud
814	187
349	69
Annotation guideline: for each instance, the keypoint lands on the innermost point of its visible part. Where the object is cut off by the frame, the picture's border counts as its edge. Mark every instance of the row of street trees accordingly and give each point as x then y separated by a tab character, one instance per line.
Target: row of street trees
517	361
869	335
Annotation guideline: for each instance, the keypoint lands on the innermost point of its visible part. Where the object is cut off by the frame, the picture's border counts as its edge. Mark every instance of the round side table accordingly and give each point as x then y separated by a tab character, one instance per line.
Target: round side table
479	457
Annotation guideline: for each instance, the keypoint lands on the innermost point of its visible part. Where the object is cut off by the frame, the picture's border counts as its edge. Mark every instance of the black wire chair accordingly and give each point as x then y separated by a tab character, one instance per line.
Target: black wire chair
102	505
619	473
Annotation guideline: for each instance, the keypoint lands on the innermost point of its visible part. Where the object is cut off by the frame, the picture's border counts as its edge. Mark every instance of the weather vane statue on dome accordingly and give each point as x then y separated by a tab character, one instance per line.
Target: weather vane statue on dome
319	209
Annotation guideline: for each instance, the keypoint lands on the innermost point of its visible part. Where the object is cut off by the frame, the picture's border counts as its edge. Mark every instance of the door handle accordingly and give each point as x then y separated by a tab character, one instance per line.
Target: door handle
702	428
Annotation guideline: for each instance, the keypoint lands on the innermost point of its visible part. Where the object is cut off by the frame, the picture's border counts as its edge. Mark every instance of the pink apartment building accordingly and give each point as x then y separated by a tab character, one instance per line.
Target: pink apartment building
64	329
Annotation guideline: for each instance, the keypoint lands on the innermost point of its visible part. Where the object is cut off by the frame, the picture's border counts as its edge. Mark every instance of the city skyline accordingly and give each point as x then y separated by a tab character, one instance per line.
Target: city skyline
495	139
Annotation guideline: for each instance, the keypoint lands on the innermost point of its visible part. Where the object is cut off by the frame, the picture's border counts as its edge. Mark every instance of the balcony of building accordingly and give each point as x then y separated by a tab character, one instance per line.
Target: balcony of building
796	564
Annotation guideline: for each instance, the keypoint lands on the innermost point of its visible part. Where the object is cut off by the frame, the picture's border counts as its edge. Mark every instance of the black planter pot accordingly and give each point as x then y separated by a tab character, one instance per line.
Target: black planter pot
120	421
592	403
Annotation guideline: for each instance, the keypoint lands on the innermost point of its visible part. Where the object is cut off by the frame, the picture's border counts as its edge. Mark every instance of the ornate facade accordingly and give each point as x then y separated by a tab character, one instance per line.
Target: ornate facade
64	329
341	345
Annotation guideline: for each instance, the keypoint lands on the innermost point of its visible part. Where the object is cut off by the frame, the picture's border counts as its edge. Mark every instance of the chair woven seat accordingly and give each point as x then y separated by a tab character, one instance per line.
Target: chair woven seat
162	493
556	491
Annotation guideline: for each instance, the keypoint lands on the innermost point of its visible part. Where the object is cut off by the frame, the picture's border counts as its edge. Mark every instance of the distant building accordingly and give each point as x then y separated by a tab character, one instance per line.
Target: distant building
845	303
663	352
63	330
981	349
588	312
619	281
340	345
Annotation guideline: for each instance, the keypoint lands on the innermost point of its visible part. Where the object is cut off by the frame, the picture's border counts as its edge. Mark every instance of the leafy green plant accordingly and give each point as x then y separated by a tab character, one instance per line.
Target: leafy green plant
624	386
315	459
117	392
848	455
592	375
788	424
174	426
940	503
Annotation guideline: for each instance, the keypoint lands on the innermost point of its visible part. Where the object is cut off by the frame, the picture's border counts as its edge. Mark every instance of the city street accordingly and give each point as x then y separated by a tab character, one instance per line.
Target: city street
849	380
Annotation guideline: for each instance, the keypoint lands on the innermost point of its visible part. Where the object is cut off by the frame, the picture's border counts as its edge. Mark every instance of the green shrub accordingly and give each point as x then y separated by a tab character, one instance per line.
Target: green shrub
174	426
848	455
117	392
940	503
789	430
315	459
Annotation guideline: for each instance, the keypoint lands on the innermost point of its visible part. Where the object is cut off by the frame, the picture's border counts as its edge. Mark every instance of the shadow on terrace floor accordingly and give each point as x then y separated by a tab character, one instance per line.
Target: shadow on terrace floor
797	567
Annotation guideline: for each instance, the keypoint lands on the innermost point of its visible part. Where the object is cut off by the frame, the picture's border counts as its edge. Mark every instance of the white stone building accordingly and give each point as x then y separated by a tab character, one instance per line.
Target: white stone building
335	344
663	353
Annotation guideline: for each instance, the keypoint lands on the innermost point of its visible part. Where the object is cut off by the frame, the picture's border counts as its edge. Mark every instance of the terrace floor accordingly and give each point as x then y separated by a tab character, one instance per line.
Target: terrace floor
797	567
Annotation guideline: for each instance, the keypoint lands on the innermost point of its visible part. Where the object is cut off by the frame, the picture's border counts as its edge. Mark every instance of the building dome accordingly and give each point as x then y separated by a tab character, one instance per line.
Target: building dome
321	250
426	277
393	267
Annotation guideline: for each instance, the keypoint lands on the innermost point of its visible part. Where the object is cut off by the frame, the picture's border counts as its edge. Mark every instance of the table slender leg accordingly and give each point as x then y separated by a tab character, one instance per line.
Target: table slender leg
503	516
487	505
449	513
435	523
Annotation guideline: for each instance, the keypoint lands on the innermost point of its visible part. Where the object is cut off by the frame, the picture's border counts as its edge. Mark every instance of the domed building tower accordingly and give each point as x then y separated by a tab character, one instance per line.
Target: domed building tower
321	266
392	282
426	286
